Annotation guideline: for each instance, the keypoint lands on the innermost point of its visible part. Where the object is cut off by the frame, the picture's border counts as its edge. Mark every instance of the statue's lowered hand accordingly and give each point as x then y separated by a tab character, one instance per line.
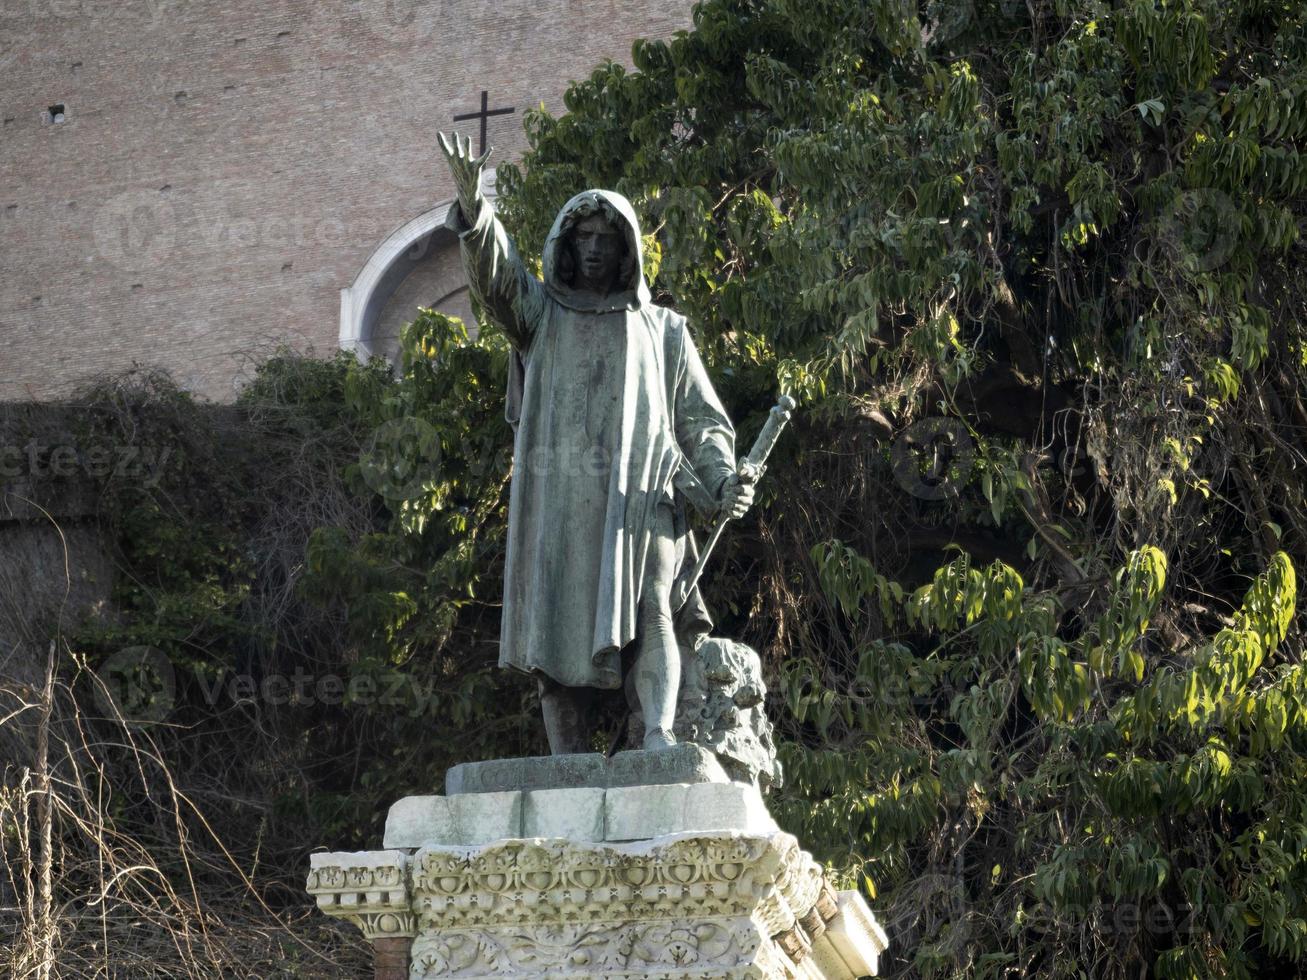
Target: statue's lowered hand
737	491
737	494
466	170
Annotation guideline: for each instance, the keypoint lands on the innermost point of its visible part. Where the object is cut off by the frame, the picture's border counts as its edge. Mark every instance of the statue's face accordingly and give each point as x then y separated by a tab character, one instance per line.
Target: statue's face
599	248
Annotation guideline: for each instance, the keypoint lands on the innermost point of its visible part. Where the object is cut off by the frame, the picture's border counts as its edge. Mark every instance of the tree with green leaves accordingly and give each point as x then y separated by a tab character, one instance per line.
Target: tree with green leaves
1024	574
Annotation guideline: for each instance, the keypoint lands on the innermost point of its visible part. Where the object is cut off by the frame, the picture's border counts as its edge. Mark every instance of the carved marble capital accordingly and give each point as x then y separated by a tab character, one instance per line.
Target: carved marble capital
369	889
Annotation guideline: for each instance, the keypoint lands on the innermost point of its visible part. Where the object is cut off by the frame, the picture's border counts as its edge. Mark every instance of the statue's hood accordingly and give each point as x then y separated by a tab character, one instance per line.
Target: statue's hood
632	294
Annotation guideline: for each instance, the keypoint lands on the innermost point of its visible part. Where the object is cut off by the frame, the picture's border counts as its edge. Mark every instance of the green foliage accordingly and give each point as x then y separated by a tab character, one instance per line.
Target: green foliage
437	458
1066	234
1081	805
1023	573
174	523
421	581
209	538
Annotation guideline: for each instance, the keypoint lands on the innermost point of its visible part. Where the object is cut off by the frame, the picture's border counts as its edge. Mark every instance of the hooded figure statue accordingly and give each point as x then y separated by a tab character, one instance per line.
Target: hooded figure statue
617	429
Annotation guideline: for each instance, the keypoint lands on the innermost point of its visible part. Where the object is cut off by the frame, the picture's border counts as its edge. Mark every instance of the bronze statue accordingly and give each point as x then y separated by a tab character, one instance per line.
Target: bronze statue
618	429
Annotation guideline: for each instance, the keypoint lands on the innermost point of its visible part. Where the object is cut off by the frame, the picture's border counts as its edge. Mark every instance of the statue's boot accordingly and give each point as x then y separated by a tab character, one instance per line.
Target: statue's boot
657	683
658	738
564	712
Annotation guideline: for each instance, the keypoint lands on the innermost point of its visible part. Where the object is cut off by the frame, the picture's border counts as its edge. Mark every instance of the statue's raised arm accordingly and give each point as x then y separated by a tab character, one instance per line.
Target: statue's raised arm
466	170
501	284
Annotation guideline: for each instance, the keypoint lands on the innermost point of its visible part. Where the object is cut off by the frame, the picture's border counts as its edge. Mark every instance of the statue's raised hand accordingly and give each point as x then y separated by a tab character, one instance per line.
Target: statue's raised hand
466	170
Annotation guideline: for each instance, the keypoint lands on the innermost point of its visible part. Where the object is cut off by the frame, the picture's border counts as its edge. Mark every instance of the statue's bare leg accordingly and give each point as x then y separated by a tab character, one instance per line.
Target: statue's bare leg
658	663
567	716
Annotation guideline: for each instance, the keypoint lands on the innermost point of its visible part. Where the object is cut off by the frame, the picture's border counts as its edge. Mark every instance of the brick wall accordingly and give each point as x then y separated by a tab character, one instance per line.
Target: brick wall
224	169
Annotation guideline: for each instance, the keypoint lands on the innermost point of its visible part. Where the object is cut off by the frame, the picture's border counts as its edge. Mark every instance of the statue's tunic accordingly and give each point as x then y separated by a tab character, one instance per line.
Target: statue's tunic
616	417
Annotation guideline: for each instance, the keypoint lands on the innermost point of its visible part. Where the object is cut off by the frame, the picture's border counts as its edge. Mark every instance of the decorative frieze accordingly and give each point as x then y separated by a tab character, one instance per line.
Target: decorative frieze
668	948
719	904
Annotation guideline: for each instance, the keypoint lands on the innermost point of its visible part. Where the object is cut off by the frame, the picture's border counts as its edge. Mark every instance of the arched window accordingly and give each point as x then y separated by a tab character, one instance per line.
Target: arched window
417	265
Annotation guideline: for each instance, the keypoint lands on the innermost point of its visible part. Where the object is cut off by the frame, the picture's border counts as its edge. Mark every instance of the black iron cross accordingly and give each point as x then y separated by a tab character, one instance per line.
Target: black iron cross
485	113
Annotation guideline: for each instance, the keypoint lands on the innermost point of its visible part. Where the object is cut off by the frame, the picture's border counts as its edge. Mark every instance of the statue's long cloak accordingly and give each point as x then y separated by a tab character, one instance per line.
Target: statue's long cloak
615	416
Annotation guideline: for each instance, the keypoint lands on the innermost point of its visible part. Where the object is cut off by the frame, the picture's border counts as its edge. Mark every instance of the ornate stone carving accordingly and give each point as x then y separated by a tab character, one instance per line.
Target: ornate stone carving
698	905
369	889
676	947
562	881
731	720
720	707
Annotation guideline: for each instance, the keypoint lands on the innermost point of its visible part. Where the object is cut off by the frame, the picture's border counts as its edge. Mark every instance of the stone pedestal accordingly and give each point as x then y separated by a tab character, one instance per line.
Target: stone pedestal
686	880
